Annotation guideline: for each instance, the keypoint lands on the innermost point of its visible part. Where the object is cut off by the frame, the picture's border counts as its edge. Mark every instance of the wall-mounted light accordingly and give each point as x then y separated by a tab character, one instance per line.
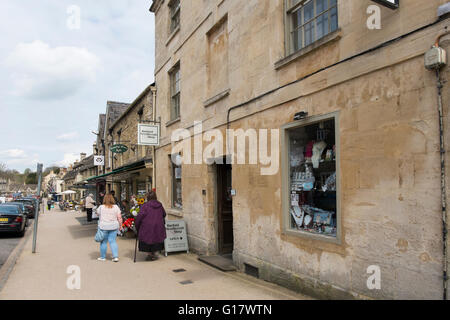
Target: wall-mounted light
300	115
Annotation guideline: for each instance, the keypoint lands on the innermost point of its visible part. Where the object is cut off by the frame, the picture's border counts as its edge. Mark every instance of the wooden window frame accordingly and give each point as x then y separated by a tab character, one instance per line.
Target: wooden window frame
285	179
293	6
175	96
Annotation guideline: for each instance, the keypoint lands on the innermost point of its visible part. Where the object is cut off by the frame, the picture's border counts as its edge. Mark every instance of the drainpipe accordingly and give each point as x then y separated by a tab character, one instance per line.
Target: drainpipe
153	89
435	59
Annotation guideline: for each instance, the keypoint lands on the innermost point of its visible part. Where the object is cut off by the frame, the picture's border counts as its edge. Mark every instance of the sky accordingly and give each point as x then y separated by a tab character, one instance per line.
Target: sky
60	62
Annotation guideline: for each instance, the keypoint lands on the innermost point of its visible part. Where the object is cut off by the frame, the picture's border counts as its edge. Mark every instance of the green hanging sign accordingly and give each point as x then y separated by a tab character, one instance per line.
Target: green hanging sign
118	148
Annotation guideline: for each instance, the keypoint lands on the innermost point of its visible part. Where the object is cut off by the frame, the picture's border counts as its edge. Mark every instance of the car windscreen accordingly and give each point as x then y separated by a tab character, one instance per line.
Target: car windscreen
25	201
8	209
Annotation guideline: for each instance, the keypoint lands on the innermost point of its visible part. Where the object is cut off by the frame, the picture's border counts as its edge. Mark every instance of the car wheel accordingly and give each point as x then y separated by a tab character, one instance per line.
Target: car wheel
22	233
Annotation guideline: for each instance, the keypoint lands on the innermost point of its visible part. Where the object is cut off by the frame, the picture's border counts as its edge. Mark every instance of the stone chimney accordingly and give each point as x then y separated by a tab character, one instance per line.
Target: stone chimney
82	156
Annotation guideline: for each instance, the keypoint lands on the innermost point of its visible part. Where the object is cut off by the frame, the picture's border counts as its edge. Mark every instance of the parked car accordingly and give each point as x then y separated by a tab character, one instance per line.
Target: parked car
29	204
25	206
13	219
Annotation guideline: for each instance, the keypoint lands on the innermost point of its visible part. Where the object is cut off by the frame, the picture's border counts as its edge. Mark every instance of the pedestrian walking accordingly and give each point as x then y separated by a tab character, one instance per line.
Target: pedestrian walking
89	205
110	221
150	226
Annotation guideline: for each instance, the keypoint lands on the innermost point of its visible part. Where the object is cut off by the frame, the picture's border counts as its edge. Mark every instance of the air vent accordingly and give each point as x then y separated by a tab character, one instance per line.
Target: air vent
251	270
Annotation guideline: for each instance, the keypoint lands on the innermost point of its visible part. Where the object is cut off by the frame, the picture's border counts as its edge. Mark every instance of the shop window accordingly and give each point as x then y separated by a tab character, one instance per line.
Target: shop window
141	188
311	177
309	21
176	186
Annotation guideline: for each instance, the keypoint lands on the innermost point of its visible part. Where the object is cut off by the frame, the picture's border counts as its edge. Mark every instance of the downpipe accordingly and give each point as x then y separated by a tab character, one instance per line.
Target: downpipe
443	183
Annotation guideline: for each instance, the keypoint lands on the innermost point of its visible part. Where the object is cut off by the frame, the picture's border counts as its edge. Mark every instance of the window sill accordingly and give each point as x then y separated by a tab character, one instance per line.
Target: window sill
313	236
216	98
172	35
175	212
334	36
171	122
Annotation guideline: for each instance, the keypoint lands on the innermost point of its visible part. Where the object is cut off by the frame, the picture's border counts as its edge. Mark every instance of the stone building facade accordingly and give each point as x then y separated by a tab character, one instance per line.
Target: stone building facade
256	65
134	167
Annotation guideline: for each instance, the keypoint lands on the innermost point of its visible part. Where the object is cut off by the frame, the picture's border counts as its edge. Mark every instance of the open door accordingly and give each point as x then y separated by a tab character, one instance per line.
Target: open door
225	209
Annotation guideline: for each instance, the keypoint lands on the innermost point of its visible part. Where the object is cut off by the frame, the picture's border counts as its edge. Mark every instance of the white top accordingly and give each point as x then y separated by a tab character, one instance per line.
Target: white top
110	218
89	203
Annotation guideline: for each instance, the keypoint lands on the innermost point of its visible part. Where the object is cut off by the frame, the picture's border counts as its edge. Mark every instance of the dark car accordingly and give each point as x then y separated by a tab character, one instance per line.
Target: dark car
25	206
29	204
12	219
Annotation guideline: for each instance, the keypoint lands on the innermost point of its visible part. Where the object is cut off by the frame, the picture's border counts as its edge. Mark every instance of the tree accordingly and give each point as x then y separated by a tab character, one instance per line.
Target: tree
3	170
31	178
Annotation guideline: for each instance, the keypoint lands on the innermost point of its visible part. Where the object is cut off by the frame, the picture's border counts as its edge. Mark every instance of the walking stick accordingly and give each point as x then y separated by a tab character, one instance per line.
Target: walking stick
135	247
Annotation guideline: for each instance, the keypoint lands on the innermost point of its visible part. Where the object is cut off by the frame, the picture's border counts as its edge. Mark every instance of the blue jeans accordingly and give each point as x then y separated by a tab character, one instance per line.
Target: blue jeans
110	236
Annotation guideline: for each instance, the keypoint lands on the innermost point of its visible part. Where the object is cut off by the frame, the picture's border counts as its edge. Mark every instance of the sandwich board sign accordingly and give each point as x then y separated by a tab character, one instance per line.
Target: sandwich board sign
176	239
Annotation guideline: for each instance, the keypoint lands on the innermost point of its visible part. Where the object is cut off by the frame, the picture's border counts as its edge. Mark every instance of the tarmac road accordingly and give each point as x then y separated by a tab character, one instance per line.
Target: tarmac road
8	241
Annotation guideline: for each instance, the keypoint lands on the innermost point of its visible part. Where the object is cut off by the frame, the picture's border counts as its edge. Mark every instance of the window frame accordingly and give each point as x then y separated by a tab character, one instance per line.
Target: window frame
175	96
289	11
173	167
175	15
286	180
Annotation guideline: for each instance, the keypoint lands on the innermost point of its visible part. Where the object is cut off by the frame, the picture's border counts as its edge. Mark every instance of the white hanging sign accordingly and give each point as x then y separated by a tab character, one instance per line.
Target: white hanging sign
148	134
99	160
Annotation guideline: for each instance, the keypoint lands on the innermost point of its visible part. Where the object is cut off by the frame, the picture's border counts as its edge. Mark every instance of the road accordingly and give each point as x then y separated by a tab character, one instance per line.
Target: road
7	244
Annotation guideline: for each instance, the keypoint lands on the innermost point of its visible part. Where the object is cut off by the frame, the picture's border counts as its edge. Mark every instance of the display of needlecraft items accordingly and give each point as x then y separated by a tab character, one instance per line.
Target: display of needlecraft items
312	160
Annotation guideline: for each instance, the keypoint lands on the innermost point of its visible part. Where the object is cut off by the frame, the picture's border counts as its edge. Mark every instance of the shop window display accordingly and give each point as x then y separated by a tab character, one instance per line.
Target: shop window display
312	168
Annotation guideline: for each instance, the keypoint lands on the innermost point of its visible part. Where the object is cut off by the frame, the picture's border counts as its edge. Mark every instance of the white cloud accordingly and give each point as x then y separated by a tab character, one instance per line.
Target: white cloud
41	72
13	153
68	159
67	136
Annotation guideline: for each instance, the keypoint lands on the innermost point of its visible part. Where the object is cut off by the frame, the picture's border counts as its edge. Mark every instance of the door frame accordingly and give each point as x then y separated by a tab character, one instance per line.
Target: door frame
218	216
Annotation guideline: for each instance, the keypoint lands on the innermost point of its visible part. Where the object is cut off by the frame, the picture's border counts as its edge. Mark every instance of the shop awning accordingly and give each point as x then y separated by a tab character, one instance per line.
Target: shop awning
133	166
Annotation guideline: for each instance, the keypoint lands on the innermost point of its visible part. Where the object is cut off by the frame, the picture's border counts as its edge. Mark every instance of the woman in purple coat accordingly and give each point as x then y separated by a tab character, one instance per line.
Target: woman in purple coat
151	227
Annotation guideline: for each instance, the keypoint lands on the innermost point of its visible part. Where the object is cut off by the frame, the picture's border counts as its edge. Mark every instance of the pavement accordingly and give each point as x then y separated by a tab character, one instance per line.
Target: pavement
64	245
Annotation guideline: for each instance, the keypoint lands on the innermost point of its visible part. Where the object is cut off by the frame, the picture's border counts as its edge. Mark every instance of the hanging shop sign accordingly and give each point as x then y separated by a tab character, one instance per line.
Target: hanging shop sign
99	160
148	135
119	148
176	239
393	4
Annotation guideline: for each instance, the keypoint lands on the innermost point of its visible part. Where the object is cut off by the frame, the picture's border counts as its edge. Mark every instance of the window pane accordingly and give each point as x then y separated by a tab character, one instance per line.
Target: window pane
296	19
297	37
308	11
309	33
334	19
312	183
322	25
176	187
321	6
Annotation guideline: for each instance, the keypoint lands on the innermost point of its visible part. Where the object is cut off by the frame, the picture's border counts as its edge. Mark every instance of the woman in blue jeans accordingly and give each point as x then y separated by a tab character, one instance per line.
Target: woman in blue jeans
110	221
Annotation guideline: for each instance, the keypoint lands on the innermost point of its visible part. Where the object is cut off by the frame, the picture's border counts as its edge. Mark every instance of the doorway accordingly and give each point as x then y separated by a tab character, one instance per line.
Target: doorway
224	210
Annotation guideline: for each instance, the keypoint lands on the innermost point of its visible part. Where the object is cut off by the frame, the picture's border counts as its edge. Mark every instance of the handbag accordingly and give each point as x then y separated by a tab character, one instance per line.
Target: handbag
100	235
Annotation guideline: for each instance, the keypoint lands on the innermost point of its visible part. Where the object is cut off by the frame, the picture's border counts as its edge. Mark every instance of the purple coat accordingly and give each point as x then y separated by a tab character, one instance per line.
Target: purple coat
150	222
